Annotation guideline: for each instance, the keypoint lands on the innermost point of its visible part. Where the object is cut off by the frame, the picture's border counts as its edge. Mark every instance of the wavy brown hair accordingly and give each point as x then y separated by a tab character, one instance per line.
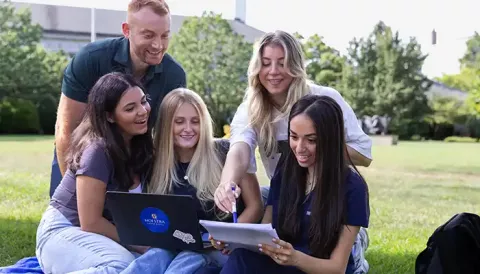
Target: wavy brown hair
94	128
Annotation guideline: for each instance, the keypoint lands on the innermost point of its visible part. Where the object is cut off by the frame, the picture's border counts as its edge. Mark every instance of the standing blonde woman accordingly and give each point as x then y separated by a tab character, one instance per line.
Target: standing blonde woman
189	161
276	80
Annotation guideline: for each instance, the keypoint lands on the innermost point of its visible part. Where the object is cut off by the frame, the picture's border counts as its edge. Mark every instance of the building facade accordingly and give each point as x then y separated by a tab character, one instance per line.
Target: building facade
69	28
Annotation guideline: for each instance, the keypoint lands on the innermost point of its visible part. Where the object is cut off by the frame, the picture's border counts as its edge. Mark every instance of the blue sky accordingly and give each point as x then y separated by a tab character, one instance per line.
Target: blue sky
338	21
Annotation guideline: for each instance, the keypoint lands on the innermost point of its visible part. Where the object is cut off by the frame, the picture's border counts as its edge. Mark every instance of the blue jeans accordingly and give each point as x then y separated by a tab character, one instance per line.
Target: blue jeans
64	248
158	260
264	191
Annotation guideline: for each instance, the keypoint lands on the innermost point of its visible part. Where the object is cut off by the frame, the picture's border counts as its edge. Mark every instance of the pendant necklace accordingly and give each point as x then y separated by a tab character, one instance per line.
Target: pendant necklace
185	177
309	186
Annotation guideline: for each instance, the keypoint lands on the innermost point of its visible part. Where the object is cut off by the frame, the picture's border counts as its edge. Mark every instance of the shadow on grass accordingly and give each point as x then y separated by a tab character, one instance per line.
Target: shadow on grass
24	138
17	239
381	262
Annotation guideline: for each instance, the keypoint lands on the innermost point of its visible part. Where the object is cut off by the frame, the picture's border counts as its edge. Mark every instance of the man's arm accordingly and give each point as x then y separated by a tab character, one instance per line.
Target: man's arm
69	115
79	77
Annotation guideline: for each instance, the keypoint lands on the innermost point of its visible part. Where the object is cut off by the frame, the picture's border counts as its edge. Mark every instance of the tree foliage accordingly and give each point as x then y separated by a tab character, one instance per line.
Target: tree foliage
27	70
216	61
384	78
324	64
468	79
447	110
471	58
471	64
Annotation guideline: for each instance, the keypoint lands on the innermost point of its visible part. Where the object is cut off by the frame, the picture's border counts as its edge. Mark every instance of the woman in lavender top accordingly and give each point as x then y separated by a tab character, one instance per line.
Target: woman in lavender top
111	149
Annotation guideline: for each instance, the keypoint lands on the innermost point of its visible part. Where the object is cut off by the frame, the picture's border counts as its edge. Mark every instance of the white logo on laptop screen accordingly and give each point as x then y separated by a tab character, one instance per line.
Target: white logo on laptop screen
186	237
154	219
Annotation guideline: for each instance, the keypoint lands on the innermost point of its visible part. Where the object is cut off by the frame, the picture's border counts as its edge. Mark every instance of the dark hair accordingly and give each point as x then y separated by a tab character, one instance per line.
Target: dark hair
94	128
328	208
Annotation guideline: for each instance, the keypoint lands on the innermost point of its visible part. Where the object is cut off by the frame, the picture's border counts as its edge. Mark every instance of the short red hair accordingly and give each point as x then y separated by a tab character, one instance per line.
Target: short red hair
160	7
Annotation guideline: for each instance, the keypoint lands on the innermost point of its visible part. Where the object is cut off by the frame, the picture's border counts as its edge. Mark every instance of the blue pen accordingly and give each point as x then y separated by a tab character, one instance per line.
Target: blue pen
234	207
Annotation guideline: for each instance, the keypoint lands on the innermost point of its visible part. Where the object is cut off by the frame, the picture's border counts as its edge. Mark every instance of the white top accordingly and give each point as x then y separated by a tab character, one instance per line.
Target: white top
241	132
138	189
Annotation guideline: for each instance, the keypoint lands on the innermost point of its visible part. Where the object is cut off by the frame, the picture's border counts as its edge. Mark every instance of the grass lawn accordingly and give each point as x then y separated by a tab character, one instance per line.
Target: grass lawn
414	188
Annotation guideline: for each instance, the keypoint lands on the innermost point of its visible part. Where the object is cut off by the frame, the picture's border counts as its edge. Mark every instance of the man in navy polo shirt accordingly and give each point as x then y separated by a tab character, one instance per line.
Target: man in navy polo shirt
140	52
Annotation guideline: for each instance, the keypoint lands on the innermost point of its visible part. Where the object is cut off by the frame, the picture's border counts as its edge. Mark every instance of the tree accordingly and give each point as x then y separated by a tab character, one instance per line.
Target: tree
358	76
468	79
471	58
471	64
324	64
446	112
461	81
216	61
27	70
385	78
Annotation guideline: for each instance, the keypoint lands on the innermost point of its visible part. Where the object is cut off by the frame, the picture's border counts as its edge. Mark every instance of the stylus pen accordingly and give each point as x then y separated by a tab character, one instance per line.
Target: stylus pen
234	207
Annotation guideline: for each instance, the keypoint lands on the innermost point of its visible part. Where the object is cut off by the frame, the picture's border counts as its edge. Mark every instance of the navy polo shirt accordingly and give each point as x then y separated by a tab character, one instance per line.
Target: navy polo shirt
358	209
113	55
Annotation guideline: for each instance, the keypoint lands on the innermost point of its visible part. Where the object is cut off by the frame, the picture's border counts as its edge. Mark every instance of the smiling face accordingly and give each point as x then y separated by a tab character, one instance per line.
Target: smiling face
131	113
149	35
186	126
303	141
274	74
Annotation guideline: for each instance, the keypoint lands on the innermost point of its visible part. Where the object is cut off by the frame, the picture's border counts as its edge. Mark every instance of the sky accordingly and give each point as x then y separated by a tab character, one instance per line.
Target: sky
339	21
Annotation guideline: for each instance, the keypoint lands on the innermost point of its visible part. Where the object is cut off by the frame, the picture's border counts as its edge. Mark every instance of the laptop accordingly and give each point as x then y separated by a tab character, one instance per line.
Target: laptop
163	221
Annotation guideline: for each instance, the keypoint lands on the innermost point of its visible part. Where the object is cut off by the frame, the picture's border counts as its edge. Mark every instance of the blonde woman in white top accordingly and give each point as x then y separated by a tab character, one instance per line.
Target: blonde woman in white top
276	80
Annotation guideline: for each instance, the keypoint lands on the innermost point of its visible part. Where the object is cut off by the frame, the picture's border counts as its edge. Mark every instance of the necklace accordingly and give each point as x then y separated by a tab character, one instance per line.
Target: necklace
185	177
309	186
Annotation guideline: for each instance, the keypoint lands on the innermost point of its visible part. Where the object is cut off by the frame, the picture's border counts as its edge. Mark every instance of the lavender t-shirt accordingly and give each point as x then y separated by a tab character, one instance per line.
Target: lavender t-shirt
94	163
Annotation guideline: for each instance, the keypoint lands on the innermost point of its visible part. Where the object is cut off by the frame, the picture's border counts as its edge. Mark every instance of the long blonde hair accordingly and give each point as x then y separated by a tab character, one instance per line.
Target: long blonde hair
260	107
205	166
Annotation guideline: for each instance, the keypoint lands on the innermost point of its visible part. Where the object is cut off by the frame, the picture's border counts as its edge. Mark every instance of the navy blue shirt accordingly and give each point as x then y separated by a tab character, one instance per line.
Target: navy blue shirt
113	55
185	188
358	211
206	212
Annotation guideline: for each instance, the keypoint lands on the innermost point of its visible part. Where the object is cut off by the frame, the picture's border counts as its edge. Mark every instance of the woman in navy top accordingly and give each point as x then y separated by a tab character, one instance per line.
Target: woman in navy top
317	202
189	161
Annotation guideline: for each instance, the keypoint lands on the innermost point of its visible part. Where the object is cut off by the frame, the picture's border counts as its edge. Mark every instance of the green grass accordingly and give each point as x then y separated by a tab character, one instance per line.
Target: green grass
414	188
25	163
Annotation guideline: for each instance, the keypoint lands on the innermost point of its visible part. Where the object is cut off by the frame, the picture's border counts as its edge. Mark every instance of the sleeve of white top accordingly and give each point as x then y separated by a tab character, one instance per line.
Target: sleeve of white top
240	131
354	135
